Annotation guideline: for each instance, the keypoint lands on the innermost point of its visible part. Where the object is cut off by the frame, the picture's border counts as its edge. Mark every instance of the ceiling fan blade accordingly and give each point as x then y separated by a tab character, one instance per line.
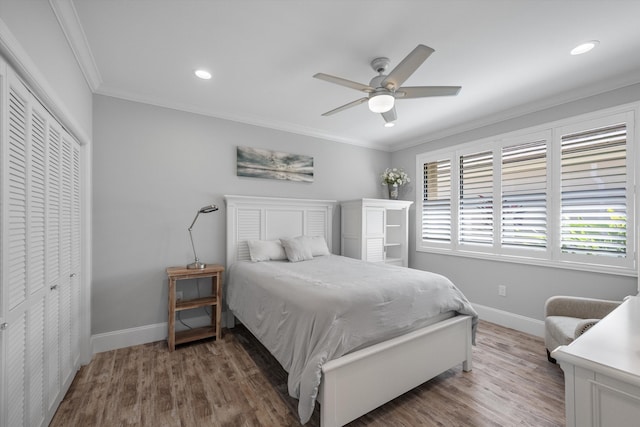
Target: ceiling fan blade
407	67
345	106
389	116
344	82
426	91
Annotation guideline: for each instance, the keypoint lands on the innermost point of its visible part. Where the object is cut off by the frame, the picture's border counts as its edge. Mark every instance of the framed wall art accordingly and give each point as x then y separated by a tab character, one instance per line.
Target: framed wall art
259	163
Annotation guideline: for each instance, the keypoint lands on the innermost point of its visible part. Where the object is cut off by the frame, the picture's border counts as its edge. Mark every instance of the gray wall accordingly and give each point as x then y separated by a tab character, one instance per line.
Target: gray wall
34	26
155	167
527	286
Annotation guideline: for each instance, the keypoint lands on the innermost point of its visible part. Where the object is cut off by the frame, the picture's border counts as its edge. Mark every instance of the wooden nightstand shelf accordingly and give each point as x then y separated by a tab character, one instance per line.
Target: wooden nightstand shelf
214	301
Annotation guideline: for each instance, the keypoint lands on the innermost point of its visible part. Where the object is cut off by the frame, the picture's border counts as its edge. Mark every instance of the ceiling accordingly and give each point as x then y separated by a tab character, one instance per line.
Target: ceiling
511	57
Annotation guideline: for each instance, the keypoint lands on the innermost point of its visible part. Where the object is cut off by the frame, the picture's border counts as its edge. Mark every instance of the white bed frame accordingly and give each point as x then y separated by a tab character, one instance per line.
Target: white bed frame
363	380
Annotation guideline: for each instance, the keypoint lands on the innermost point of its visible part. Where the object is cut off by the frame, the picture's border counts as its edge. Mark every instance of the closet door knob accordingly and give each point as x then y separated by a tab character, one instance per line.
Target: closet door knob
72	275
54	287
4	326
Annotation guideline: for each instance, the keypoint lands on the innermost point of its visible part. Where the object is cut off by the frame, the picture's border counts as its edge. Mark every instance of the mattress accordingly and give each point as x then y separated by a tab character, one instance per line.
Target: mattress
307	313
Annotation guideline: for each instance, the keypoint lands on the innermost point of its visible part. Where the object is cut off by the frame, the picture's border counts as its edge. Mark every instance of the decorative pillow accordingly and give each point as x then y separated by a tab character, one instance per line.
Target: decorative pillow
266	250
297	249
317	244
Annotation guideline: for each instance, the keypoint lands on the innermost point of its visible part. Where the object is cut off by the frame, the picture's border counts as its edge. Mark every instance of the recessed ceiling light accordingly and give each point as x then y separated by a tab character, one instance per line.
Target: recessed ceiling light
203	74
389	124
584	47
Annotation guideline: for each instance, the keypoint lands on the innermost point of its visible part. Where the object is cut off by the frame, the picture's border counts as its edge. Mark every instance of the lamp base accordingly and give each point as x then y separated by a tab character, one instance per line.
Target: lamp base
196	265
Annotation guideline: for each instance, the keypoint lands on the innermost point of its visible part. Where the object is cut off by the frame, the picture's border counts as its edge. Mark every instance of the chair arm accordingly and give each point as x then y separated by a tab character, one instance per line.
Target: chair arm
583	326
579	307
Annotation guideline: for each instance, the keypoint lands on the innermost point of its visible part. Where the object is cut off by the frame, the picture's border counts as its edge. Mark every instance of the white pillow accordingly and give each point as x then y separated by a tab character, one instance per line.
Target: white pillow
317	244
266	250
297	249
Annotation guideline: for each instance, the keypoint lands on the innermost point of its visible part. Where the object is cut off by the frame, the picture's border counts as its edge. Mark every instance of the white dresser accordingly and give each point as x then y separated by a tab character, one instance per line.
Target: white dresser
602	371
376	230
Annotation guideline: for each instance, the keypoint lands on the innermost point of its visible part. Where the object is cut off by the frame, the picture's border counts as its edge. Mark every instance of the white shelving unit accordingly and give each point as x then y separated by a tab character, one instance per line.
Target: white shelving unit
376	230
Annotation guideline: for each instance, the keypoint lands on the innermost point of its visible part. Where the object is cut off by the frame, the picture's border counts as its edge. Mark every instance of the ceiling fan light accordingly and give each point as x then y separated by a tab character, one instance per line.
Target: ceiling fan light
381	103
389	124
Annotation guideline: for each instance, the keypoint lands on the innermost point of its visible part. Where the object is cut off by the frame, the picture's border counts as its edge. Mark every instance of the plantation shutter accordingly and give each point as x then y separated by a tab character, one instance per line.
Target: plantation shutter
476	198
524	195
436	201
594	185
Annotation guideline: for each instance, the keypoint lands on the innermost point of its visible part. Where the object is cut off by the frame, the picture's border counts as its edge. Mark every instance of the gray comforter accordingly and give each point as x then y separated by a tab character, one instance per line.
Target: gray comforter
309	312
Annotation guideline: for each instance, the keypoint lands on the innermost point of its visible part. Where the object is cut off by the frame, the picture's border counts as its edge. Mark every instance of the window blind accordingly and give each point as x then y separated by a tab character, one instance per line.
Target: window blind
594	185
476	198
524	195
436	201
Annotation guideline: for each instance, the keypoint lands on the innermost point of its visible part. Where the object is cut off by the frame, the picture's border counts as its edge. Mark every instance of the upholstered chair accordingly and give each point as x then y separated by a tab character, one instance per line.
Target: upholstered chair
566	318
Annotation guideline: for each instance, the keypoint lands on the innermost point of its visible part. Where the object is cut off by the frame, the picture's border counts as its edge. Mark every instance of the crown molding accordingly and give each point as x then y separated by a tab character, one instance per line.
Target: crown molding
23	65
252	121
67	17
563	99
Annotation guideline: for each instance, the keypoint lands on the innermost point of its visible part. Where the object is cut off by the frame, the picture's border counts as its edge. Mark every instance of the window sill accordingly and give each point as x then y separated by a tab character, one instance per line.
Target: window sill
615	270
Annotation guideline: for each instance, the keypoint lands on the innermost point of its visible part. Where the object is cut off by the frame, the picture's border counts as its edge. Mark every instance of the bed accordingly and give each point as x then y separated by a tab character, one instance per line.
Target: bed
340	327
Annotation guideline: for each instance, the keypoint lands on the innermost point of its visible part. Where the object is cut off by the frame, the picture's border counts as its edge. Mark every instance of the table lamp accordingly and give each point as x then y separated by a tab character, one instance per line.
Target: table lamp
197	264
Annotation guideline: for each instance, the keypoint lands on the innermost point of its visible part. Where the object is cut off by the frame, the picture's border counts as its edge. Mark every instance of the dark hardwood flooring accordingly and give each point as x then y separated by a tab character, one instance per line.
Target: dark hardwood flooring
236	382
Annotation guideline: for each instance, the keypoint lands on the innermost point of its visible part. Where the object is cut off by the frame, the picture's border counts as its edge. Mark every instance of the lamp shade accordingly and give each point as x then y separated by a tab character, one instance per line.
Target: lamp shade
381	103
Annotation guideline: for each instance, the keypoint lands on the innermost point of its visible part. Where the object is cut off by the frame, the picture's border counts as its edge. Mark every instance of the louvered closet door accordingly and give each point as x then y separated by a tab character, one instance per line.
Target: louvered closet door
52	341
69	294
65	260
14	271
63	304
24	275
41	227
36	249
76	256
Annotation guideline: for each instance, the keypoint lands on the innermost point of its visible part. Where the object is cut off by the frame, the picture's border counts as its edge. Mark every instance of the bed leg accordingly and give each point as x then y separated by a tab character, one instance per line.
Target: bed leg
467	363
230	320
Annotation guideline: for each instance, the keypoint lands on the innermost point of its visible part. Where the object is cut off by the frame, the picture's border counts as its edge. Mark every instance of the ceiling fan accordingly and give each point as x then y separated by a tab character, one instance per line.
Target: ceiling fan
384	89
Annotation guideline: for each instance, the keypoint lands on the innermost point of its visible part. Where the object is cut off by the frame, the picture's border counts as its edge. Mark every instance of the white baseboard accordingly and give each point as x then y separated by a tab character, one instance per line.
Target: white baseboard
158	332
128	337
143	334
511	320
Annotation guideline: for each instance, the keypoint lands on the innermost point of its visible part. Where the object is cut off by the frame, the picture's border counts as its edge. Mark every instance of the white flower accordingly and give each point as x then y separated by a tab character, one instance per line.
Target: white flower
395	177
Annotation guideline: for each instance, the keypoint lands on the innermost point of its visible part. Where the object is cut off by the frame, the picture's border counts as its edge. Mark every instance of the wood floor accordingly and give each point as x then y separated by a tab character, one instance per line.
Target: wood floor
236	382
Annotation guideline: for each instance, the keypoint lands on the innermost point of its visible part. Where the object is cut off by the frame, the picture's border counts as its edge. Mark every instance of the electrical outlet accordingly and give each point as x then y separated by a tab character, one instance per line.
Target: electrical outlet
502	290
178	295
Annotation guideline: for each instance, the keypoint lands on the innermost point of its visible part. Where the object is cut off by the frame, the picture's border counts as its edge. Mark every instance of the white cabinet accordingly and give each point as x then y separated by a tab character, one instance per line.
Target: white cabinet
602	371
376	230
40	287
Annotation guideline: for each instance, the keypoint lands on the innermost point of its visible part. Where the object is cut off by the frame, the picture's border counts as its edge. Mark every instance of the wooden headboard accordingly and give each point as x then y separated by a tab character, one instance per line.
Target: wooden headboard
269	218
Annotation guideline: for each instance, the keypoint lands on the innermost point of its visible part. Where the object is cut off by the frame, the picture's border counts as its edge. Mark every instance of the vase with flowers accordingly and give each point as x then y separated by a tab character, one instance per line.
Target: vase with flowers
394	178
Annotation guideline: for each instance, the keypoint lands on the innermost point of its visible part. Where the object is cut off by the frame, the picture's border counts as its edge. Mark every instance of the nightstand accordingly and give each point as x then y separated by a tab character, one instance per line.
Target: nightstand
214	301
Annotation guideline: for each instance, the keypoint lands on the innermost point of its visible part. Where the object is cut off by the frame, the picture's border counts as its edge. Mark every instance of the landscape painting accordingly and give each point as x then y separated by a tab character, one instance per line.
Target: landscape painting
258	163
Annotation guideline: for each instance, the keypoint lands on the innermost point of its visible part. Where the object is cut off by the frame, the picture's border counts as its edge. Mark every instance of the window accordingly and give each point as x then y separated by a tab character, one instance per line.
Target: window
524	195
436	201
476	198
594	188
558	195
